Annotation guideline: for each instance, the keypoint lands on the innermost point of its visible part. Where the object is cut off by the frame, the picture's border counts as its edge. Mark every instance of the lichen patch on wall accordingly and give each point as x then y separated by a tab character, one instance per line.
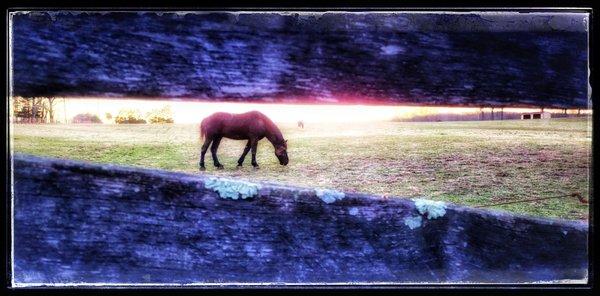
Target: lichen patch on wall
232	189
434	209
413	222
329	196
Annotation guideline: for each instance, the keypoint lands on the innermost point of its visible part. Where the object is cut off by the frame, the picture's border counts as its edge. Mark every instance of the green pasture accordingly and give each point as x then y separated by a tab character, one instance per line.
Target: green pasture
468	163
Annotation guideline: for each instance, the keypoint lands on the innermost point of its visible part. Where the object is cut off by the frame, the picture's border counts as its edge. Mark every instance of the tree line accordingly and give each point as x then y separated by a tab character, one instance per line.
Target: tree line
33	110
42	110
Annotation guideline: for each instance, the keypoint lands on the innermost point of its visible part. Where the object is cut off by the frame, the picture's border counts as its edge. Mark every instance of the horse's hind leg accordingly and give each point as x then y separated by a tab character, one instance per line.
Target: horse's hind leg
254	146
207	142
246	150
213	151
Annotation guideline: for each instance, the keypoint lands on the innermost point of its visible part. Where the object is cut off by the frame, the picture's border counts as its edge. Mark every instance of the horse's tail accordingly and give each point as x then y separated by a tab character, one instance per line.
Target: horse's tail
202	130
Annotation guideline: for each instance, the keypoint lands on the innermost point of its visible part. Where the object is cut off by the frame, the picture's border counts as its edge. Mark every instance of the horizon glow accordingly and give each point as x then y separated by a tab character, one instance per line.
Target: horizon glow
186	112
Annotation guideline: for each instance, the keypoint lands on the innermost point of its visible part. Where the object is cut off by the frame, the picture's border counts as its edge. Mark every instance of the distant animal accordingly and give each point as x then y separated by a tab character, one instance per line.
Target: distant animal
300	124
251	126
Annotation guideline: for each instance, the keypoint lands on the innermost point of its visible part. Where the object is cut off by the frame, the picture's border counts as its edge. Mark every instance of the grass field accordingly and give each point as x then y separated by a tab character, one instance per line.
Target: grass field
469	163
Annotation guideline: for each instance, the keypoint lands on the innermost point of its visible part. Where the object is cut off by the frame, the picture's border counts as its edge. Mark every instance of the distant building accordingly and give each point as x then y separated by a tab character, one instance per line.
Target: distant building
536	115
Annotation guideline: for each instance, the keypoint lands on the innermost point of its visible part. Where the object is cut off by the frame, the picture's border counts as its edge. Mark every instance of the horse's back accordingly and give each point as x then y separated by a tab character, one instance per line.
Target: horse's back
215	118
218	115
226	115
253	115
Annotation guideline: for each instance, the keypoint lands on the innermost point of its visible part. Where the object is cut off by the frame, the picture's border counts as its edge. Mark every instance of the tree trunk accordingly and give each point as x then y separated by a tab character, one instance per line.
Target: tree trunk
51	109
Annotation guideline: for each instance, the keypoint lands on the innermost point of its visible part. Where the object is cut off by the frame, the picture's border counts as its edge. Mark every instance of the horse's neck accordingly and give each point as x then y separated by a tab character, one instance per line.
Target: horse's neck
274	135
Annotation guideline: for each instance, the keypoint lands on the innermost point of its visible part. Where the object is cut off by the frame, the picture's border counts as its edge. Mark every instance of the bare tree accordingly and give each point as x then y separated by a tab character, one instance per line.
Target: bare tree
33	110
37	109
50	108
19	109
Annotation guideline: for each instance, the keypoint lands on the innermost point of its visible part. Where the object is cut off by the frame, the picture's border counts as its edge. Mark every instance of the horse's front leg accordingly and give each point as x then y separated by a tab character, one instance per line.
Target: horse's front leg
254	146
207	142
213	151
246	150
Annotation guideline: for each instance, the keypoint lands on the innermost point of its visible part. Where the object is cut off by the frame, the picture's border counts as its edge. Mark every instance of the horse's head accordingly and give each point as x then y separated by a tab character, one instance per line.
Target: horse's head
281	152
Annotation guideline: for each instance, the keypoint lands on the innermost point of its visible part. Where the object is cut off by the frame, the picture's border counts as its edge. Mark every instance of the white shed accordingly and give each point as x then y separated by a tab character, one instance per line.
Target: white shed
536	115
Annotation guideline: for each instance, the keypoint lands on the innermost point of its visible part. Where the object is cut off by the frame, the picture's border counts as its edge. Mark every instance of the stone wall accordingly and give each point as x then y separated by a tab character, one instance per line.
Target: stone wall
76	222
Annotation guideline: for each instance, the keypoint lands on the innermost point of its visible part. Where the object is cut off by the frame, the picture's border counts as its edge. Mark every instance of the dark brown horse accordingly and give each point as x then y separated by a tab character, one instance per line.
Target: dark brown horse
251	126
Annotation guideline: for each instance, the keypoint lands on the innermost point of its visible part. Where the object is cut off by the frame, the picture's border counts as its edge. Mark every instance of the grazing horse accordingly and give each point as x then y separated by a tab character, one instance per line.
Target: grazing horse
251	126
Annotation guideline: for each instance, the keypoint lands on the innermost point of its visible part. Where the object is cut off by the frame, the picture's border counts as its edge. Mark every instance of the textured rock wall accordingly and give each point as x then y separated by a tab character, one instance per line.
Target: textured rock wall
81	223
428	59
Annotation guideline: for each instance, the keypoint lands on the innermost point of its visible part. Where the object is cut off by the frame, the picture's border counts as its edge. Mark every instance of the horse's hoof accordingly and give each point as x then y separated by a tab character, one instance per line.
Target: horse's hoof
220	167
239	166
256	167
202	169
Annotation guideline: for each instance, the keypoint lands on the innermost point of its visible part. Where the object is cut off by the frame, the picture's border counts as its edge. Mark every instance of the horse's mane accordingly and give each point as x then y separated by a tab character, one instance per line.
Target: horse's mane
273	129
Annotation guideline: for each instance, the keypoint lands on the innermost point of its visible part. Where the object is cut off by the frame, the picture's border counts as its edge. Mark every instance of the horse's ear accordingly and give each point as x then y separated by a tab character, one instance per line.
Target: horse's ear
285	141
